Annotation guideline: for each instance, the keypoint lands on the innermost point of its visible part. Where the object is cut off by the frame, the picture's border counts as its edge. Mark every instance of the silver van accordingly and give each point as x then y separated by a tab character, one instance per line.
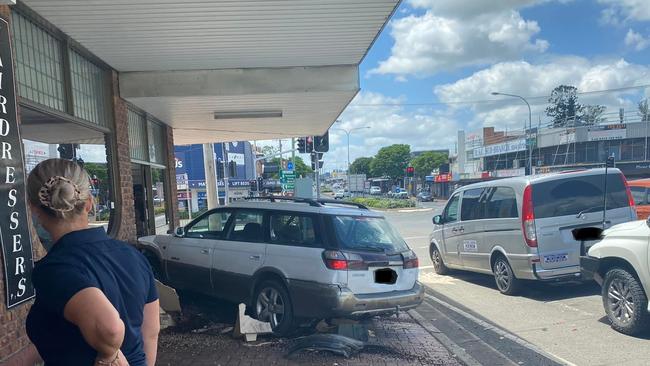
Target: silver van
522	228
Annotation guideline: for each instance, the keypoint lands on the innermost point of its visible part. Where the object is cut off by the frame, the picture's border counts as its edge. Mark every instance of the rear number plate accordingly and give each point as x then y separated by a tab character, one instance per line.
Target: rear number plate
556	258
386	276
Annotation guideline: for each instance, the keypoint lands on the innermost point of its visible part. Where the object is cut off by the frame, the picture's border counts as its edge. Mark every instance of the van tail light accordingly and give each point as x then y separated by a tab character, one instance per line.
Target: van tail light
630	198
528	218
410	260
340	261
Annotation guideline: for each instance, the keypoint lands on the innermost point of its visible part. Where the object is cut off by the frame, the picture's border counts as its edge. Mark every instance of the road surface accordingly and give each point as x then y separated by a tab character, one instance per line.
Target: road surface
567	321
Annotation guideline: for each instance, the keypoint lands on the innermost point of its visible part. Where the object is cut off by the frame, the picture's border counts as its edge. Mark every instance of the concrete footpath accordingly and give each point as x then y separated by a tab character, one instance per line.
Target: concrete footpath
392	341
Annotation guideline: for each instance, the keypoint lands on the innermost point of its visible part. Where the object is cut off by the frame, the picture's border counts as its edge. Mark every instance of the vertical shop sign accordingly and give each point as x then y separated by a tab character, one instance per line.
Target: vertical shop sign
14	227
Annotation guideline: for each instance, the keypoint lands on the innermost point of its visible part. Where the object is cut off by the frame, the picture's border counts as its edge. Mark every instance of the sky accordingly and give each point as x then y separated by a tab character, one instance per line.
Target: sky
432	69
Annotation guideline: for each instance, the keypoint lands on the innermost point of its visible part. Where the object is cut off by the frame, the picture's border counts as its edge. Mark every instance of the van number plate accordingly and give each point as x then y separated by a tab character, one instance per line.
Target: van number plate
556	258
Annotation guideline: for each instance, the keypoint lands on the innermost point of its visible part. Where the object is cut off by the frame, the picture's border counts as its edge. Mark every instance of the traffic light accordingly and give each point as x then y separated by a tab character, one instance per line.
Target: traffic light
219	168
322	143
232	169
309	144
302	145
66	151
410	171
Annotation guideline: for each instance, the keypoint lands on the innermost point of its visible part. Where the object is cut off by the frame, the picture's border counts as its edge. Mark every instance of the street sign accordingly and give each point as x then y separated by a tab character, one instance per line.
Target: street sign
290	165
288	180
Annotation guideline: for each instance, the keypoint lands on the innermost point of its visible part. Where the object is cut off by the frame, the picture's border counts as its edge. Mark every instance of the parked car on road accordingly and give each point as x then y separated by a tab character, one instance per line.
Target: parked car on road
401	195
640	192
619	263
341	194
374	190
291	260
521	228
424	196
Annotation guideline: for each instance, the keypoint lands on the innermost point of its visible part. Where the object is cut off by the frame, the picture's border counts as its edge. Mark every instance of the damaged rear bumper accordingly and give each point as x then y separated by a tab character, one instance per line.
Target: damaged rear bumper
324	301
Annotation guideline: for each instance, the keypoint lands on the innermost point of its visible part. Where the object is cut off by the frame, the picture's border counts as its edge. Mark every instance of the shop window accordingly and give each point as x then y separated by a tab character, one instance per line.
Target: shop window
39	63
138	135
89	90
156	138
159	194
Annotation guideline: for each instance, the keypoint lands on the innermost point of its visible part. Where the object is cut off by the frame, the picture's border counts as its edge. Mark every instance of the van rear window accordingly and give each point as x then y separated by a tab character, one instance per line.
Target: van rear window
575	195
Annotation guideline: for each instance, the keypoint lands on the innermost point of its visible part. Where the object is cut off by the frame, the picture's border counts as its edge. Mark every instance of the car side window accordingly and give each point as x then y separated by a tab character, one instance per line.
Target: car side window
473	204
501	203
292	229
210	226
247	225
640	195
451	211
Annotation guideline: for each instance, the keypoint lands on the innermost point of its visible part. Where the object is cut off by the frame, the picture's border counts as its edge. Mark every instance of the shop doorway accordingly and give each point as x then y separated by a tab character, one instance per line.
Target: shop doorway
149	188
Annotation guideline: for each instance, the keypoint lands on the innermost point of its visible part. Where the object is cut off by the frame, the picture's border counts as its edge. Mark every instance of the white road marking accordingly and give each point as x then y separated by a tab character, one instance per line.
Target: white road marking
416	210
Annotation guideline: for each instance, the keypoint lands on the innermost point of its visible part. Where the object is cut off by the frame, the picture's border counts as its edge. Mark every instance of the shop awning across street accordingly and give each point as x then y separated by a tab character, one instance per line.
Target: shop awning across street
218	70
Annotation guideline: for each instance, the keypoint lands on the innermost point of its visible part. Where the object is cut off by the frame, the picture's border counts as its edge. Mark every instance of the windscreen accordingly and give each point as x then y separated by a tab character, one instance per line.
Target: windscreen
367	233
575	195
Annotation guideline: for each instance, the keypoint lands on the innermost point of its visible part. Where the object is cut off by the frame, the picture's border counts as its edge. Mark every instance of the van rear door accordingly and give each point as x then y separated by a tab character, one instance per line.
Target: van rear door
562	205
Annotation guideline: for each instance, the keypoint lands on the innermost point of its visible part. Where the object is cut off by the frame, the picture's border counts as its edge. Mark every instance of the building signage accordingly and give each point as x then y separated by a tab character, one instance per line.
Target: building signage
568	137
607	132
503	148
14	227
516	172
442	178
237	158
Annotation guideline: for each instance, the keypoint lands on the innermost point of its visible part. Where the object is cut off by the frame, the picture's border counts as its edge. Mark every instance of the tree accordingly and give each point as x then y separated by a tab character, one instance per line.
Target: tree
593	114
644	111
391	161
361	166
564	107
428	161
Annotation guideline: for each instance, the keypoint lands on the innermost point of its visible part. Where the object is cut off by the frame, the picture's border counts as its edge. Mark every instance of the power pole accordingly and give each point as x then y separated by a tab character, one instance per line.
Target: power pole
225	173
211	189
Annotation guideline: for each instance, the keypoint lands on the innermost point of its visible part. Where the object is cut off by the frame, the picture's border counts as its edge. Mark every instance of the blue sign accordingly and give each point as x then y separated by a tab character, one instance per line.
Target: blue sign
290	165
429	178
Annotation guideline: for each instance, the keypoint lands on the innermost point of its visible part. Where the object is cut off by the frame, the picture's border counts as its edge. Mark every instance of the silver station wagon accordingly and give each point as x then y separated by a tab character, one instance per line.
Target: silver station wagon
522	228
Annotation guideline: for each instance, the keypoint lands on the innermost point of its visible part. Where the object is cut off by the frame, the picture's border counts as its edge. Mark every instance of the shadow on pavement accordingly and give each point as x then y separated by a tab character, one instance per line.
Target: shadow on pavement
535	290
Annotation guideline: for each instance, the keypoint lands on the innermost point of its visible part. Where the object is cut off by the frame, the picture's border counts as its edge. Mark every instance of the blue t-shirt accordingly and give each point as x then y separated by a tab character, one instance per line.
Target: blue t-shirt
82	259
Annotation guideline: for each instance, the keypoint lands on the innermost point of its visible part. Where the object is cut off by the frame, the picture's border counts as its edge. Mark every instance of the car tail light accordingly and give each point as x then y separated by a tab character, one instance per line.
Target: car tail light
528	218
410	260
340	261
630	198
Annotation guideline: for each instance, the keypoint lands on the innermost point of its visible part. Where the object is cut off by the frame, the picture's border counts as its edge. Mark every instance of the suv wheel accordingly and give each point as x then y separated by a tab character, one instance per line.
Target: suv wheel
438	264
625	303
273	305
505	278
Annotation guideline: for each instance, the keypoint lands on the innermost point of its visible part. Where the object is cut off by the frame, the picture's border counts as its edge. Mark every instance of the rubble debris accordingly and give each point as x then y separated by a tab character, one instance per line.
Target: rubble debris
168	298
248	327
333	343
354	331
166	320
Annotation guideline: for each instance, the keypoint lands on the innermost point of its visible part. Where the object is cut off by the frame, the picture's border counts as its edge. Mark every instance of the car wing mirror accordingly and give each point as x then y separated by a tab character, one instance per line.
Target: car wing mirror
179	232
437	220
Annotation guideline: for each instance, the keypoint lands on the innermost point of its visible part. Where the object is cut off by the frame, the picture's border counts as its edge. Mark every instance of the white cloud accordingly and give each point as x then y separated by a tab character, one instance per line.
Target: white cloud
388	124
636	40
622	11
470	8
449	36
533	80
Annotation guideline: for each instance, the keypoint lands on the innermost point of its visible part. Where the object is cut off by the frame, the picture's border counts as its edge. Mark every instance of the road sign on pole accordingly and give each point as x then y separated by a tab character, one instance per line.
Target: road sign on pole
290	165
288	180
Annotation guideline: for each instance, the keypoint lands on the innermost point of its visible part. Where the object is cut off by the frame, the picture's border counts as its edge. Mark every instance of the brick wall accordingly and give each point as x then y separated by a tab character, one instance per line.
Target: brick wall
125	220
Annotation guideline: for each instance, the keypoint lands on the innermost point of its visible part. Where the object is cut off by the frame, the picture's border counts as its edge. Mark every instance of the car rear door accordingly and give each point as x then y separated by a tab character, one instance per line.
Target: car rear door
562	205
470	238
239	254
378	258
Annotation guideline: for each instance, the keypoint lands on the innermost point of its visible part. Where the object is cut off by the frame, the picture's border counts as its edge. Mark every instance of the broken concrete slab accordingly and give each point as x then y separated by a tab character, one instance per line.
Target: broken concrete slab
168	298
248	327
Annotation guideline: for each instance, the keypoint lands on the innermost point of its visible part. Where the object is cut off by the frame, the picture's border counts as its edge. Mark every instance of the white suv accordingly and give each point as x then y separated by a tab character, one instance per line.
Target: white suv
619	263
291	259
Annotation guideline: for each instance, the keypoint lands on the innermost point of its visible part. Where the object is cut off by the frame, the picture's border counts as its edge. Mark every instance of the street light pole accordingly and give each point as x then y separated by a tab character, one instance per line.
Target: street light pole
347	132
530	128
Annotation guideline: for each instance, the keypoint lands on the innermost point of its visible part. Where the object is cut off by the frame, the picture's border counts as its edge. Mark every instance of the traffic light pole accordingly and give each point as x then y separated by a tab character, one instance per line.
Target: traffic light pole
225	173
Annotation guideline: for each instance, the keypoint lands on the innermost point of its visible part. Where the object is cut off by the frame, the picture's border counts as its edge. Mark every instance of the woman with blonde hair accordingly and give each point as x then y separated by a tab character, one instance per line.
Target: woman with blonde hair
96	299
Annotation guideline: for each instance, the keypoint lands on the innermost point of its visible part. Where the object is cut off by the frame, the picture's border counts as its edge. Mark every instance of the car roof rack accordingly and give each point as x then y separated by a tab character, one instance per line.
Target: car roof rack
312	202
341	202
309	201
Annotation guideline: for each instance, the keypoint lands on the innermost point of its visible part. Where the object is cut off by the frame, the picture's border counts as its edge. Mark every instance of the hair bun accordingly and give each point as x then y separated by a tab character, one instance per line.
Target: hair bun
59	194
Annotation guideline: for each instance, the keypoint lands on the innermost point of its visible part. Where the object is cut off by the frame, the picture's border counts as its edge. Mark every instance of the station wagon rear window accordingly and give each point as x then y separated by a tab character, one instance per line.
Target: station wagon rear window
575	195
367	233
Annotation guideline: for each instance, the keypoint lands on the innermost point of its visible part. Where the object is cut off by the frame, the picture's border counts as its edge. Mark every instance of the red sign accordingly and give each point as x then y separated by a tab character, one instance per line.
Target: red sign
184	195
442	178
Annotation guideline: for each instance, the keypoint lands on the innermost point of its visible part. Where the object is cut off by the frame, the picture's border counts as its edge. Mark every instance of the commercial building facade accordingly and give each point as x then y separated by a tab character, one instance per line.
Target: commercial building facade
117	85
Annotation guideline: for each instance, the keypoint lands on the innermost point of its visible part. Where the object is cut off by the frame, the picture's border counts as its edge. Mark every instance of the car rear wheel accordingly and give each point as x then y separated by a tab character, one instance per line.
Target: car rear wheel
273	305
438	264
505	278
626	305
